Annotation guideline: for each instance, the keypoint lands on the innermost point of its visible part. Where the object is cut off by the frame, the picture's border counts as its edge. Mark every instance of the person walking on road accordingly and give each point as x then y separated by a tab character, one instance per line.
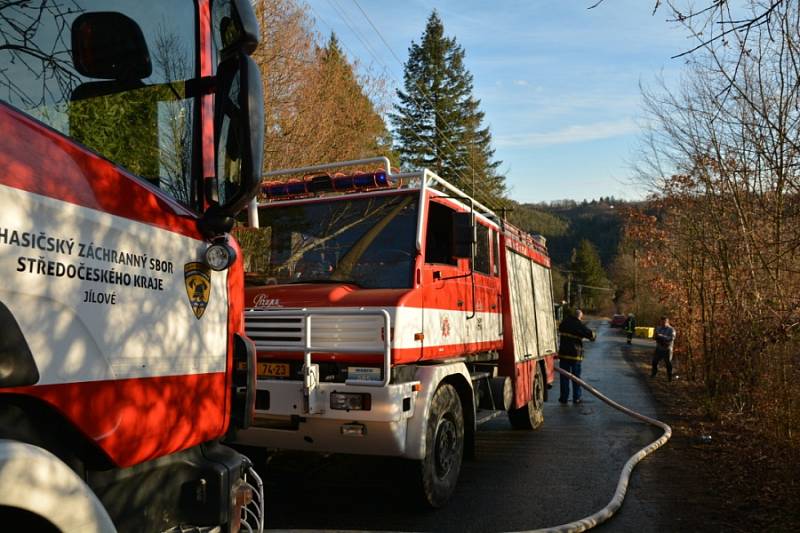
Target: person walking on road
630	326
665	338
570	353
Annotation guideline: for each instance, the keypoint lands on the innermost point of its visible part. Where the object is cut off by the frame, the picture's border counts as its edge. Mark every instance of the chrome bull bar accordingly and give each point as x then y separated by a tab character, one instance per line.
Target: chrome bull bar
310	370
252	519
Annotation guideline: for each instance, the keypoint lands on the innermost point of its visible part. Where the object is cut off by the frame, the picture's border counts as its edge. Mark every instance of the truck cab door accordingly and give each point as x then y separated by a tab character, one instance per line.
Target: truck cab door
485	325
446	286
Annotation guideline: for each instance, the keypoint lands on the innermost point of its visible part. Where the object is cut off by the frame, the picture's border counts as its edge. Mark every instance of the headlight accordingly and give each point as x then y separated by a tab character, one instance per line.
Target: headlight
220	256
350	401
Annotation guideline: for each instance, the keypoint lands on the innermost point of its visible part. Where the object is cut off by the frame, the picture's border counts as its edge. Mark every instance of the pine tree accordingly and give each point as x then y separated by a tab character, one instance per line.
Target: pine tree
588	270
438	123
587	266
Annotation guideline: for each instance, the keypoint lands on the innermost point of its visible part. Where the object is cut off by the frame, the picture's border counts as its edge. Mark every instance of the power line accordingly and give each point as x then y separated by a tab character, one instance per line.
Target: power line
421	89
423	92
610	289
357	33
343	15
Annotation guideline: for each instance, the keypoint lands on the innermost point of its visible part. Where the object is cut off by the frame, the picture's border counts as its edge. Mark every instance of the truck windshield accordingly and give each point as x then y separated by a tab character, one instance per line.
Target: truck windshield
369	242
110	74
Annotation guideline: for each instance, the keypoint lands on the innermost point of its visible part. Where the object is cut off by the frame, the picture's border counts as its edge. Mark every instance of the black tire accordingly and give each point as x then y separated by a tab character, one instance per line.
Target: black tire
21	520
531	415
444	447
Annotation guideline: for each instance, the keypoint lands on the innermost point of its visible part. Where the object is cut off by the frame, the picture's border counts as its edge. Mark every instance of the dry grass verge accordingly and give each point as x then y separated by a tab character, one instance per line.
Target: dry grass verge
736	480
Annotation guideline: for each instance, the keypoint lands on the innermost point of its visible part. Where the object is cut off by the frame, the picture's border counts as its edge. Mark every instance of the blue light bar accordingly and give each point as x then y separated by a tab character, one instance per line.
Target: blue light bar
361	181
290	188
326	183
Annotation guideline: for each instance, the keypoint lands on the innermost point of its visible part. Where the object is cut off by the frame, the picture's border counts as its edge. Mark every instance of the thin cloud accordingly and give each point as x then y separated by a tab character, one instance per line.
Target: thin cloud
521	83
570	134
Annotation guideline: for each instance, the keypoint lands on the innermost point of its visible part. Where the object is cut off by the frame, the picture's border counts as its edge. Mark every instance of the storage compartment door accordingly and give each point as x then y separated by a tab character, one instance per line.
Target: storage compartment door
523	316
545	321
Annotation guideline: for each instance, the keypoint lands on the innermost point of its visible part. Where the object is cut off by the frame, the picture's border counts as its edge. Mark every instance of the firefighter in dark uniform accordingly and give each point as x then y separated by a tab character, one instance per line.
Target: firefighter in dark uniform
630	326
570	353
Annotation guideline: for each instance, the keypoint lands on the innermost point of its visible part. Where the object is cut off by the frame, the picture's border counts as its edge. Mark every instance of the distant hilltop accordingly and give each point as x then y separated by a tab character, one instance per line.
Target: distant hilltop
566	222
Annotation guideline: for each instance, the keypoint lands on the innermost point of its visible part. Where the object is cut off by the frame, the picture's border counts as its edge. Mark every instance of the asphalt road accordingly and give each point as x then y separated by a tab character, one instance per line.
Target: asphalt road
519	481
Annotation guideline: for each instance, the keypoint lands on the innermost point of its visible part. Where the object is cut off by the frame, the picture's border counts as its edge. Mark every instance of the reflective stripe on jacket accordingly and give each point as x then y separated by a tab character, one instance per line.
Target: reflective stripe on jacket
630	325
572	332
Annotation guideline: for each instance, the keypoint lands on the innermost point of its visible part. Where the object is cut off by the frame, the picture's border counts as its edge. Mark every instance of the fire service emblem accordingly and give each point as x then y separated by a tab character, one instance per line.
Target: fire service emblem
445	323
197	277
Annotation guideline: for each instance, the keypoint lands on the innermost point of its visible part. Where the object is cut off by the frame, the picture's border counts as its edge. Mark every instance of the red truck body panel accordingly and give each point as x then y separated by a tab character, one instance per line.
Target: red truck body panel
130	419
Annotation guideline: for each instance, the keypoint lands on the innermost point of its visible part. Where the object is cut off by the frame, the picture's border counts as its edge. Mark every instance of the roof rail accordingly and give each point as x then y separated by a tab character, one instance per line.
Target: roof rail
423	179
427	179
328	166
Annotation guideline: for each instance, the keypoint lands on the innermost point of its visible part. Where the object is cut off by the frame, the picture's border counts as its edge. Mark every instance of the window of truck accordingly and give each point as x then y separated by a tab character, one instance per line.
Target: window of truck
495	253
482	262
369	242
73	66
439	235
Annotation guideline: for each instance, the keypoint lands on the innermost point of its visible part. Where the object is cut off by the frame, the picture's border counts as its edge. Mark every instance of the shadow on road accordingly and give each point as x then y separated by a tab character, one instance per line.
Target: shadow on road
520	480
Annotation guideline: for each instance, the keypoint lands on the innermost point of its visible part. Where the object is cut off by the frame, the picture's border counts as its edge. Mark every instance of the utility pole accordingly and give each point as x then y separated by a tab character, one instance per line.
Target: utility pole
572	257
569	287
635	283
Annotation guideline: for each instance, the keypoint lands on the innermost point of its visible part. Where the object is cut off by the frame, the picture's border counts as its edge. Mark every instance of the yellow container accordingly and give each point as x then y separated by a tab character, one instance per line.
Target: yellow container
645	333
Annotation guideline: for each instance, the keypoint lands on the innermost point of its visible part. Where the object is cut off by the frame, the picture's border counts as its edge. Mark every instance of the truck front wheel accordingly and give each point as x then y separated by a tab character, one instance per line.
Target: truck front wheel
531	415
444	447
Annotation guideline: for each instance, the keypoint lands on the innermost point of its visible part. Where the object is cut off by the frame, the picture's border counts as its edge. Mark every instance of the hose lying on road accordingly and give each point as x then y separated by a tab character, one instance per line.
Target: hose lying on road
622	486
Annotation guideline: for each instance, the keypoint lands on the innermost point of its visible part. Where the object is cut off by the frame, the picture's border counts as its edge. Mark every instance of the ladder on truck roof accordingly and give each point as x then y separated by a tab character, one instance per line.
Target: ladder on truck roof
423	179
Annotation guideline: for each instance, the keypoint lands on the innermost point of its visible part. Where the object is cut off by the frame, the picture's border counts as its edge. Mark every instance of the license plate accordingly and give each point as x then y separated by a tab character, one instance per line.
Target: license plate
364	373
273	370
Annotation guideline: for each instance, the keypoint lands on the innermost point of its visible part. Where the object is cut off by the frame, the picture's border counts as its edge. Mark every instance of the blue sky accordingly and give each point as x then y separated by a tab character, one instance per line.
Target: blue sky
559	83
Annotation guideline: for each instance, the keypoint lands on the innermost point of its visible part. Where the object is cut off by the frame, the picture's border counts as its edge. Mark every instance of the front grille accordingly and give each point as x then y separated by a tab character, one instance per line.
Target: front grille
272	331
348	331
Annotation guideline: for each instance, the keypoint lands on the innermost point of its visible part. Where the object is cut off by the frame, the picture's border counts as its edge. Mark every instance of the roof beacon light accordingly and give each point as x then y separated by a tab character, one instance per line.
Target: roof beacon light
288	188
323	183
361	181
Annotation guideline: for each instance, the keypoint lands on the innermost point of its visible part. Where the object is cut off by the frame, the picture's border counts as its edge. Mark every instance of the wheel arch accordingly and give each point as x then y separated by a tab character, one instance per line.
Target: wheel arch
467	397
17	366
430	378
36	481
33	421
547	385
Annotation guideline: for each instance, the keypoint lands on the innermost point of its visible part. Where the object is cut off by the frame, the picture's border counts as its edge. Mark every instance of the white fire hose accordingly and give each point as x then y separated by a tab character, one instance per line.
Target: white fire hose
622	486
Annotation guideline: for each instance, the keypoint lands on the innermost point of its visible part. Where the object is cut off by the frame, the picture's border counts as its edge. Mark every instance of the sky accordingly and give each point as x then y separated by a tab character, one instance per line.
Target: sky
559	83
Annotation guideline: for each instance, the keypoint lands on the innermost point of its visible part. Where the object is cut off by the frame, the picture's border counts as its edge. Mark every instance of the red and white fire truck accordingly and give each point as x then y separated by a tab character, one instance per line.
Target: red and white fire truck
392	313
130	135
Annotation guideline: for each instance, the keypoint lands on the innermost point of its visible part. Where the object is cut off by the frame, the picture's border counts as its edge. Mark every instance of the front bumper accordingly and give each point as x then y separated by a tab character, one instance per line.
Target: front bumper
284	424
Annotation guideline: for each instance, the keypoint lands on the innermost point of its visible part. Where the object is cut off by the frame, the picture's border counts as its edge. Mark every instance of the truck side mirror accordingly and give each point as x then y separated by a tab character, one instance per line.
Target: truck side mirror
463	235
238	27
109	46
239	135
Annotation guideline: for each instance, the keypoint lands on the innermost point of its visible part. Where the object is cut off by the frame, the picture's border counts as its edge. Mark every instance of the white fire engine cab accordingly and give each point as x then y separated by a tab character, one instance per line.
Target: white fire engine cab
130	136
392	314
